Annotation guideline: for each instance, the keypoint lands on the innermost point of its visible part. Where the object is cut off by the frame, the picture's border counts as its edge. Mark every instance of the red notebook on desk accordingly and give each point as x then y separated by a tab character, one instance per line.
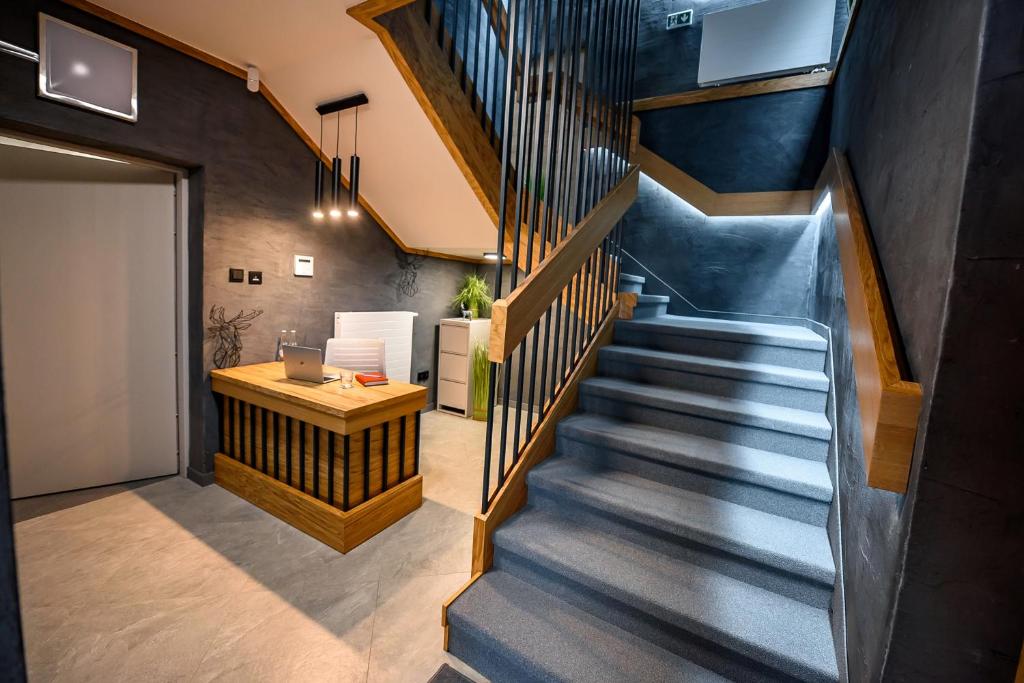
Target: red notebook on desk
371	379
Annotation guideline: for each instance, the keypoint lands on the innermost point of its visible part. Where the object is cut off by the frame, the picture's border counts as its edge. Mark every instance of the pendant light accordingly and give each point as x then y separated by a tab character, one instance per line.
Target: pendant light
318	190
336	176
332	107
353	173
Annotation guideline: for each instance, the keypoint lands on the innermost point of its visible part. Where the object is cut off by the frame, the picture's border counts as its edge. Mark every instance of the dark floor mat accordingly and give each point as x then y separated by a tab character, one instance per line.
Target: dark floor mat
446	674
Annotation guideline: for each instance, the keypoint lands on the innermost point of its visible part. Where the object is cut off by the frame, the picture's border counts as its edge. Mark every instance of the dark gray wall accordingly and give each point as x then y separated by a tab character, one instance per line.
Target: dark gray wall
758	265
751	144
668	60
250	189
933	577
12	654
960	614
755	144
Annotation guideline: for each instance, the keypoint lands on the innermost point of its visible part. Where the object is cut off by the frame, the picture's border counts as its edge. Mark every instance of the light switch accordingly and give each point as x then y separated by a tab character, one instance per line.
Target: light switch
303	266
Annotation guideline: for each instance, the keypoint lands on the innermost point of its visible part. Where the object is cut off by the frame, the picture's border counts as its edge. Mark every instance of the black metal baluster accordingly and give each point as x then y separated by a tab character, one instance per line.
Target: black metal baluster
345	471
277	444
366	464
454	53
506	154
263	443
330	467
241	432
252	436
475	74
316	462
384	457
233	452
302	456
288	449
416	447
401	450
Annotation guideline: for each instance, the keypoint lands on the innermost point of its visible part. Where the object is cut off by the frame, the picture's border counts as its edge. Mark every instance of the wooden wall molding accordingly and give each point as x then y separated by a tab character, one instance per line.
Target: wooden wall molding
711	203
237	71
889	404
728	92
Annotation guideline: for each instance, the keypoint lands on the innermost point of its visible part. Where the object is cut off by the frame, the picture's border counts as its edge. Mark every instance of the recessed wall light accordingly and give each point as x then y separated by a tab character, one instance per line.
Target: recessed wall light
490	256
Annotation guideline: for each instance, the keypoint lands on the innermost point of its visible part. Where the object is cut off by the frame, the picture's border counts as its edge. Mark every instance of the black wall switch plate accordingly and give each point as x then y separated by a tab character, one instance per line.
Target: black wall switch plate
255	277
423	376
236	275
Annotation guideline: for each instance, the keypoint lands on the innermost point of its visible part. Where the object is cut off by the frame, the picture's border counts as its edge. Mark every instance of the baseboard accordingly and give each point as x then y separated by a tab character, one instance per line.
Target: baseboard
201	478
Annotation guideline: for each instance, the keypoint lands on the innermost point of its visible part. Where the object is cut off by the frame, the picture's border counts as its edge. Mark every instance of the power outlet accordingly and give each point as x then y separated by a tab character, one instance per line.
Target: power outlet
423	376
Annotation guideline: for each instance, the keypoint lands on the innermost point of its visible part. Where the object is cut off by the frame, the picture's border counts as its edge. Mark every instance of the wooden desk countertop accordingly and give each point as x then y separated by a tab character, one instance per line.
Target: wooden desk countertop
361	405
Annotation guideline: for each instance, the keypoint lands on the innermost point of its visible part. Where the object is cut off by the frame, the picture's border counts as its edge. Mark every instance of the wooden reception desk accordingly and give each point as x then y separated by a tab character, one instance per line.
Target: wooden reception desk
338	464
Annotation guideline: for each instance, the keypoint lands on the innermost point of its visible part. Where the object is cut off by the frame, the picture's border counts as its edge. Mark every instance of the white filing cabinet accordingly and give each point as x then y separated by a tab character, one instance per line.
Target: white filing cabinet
454	363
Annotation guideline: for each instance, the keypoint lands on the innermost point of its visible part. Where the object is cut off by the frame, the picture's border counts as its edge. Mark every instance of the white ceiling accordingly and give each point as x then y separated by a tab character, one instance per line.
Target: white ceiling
311	51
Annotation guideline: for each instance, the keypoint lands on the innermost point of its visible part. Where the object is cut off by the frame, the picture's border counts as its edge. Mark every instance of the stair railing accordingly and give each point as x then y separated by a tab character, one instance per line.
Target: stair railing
471	35
565	184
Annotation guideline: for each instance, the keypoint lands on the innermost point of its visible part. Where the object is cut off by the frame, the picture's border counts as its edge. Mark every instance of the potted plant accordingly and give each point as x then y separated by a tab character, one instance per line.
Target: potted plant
475	296
481	381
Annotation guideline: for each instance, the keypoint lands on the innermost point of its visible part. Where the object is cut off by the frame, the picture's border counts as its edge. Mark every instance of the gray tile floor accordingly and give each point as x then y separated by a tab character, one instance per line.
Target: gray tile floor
175	582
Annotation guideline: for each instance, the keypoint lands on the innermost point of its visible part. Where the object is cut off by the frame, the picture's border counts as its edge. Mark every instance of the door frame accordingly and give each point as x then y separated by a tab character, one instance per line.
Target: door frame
182	274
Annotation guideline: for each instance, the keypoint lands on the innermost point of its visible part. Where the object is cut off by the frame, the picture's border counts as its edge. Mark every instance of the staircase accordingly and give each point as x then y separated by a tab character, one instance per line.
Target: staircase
678	533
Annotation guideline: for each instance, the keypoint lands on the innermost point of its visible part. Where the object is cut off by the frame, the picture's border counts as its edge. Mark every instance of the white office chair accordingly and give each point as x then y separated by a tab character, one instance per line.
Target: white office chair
357	355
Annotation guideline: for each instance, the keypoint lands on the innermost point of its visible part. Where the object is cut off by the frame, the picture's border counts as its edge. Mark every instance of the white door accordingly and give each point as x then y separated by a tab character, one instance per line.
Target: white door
87	299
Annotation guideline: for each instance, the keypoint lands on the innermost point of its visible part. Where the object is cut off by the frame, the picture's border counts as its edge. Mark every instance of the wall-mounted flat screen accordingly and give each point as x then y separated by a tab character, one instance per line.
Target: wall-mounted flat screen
85	69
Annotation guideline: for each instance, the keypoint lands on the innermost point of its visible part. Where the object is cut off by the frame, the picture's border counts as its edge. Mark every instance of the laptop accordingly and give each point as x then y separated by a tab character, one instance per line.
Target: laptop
306	364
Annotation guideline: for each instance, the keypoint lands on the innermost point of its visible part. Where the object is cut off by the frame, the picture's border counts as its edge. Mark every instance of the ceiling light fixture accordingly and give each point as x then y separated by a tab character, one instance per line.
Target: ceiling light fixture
490	256
318	190
336	175
332	107
353	173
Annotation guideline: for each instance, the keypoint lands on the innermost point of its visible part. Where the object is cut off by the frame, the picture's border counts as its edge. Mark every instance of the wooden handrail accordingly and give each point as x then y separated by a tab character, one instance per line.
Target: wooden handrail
815	79
889	403
512	318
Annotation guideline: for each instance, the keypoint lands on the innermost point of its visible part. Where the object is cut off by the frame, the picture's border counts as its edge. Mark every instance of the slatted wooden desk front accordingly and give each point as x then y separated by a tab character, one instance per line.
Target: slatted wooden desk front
338	464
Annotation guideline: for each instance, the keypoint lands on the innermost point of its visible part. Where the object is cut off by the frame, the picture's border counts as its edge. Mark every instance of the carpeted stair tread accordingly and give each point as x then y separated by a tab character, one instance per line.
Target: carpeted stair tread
635	279
798	476
547	639
642	299
779	542
731	330
719	367
774	630
751	413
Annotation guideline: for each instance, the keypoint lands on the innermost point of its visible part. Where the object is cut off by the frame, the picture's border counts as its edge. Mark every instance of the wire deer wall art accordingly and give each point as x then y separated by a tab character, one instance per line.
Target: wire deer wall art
227	335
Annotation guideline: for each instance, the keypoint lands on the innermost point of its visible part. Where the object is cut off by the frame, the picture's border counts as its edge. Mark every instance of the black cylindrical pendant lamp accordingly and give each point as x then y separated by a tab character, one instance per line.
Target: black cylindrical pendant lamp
336	188
353	173
318	177
353	186
336	106
336	177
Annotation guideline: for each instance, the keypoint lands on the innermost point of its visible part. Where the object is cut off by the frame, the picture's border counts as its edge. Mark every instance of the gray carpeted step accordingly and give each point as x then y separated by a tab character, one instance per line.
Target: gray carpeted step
779	484
655	595
789	431
650	306
785	345
510	631
775	384
776	553
633	284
